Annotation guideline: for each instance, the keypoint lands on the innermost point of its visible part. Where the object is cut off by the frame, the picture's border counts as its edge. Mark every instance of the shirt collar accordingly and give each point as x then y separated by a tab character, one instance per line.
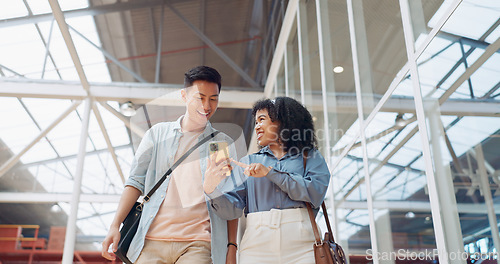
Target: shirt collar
208	128
267	150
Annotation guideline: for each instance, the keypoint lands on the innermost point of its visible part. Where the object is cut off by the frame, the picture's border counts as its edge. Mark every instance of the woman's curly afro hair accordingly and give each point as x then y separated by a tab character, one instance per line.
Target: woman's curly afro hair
296	127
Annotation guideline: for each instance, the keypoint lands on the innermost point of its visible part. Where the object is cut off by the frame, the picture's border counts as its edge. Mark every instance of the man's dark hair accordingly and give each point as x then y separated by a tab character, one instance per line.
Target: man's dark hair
202	73
296	127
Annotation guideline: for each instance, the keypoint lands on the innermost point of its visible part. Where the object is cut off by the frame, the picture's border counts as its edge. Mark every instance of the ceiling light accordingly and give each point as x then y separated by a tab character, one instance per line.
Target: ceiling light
410	215
55	208
399	121
127	109
338	69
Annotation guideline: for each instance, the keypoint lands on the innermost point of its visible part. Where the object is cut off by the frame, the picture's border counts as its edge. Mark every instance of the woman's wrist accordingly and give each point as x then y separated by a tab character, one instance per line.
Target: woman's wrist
232	244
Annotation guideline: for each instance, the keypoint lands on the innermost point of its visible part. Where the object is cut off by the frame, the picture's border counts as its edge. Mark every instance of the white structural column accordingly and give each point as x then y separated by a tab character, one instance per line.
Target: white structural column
444	183
418	18
485	186
286	27
327	86
359	96
69	241
288	69
304	58
159	45
383	224
422	126
365	71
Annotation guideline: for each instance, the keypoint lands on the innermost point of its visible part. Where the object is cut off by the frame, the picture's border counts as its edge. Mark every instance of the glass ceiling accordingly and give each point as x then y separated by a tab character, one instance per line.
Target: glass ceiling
40	53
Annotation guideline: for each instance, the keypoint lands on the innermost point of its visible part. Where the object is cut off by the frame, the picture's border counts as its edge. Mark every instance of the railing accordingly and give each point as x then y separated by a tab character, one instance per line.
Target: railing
11	238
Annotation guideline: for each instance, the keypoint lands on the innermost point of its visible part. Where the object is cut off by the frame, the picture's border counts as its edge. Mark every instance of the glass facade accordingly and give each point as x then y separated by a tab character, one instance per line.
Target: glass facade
410	124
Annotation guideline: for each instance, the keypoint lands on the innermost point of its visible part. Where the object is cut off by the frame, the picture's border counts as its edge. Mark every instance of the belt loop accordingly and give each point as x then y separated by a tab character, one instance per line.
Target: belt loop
275	218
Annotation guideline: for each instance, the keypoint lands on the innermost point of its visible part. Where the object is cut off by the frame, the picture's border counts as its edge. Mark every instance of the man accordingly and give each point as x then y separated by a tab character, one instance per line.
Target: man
177	223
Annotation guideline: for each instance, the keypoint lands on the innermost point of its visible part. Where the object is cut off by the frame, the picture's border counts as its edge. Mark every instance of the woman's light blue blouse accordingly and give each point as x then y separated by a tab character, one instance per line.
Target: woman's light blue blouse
287	185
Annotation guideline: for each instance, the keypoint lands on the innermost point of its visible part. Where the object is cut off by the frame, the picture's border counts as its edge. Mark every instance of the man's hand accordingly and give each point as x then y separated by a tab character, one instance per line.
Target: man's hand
112	237
215	173
256	170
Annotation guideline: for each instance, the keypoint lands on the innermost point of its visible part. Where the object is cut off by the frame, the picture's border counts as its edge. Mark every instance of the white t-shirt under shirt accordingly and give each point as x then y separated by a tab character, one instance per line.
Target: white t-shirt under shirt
183	215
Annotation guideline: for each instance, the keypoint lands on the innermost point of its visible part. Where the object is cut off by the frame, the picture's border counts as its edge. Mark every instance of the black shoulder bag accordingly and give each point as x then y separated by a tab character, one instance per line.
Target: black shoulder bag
131	222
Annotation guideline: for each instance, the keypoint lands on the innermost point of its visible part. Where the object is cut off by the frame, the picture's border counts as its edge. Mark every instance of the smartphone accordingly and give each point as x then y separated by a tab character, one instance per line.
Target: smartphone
221	150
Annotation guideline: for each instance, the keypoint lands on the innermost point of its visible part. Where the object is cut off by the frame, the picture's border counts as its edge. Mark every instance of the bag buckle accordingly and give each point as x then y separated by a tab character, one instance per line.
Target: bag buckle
139	207
320	243
146	199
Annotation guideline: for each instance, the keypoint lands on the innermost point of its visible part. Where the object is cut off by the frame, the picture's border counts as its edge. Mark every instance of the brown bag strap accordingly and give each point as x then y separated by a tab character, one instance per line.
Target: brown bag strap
317	238
313	219
325	214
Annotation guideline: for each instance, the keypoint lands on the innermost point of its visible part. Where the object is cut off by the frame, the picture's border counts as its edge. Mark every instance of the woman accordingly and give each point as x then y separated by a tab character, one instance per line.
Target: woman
277	187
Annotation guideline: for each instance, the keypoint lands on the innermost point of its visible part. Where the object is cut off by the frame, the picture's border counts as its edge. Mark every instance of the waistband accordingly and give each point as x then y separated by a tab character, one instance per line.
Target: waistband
275	217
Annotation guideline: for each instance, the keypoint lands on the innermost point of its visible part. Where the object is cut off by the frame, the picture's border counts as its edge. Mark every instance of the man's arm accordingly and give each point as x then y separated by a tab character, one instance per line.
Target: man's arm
232	231
127	200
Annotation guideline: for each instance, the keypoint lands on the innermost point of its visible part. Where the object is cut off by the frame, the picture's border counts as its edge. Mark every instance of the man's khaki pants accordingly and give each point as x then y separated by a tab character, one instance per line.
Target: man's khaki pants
170	252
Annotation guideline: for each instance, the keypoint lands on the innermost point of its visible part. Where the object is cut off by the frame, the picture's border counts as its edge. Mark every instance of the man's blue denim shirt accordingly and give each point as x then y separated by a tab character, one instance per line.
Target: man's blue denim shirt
153	158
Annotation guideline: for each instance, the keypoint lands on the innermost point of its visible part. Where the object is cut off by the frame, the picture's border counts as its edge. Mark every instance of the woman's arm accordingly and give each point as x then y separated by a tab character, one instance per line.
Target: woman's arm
310	186
232	246
227	197
228	204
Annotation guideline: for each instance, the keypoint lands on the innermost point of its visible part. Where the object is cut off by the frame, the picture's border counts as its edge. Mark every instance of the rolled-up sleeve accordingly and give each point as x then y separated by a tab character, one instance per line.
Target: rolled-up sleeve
228	200
308	187
140	163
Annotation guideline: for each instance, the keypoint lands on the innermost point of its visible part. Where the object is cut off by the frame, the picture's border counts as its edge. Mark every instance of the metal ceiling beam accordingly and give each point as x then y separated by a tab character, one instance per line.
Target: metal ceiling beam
490	50
109	56
161	94
90	11
46	44
64	158
13	160
133	127
414	206
468	41
403	206
231	97
68	40
105	134
214	47
27	197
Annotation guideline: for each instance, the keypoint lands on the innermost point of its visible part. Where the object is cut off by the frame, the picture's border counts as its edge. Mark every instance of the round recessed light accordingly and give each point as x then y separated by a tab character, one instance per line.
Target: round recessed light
338	69
127	109
410	215
55	208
